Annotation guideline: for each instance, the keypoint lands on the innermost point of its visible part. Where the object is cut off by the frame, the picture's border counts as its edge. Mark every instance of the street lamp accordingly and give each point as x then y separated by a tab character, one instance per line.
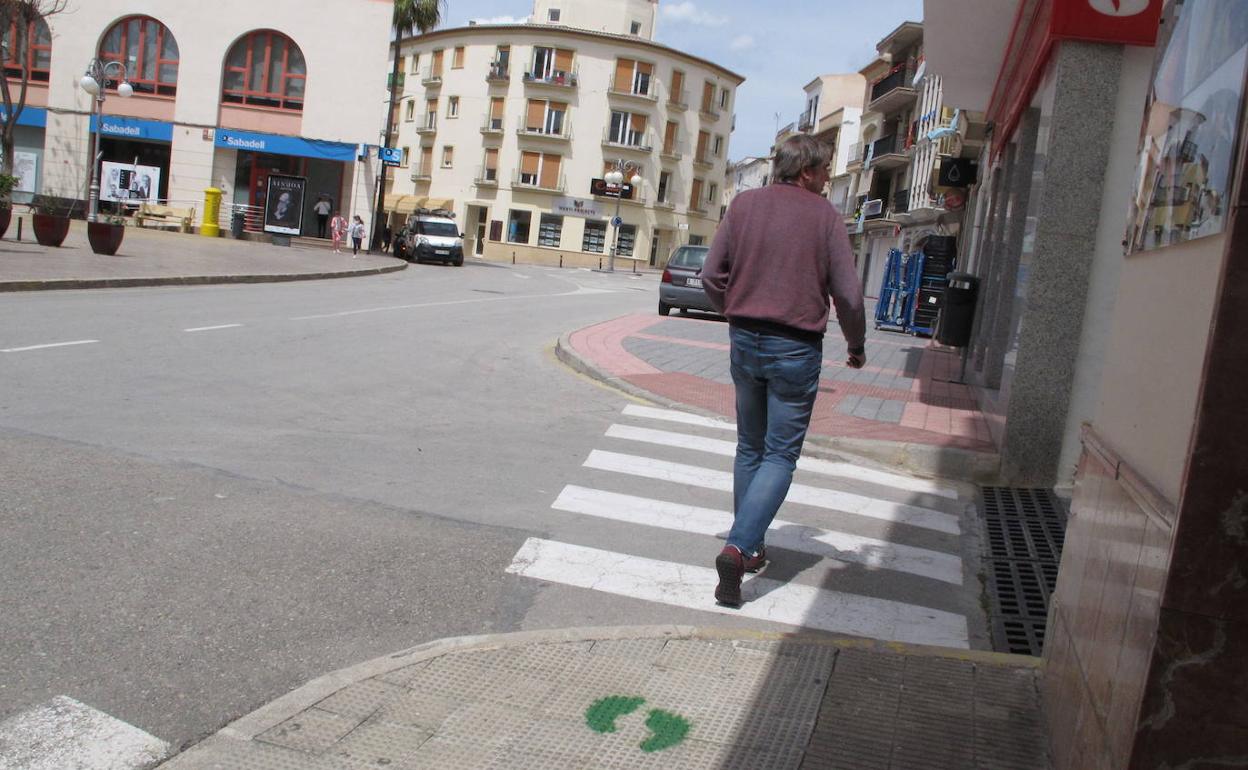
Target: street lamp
623	169
95	81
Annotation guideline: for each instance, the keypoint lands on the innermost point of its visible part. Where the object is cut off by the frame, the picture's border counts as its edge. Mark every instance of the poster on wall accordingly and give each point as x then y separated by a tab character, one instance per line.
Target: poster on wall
283	204
1191	124
26	169
129	183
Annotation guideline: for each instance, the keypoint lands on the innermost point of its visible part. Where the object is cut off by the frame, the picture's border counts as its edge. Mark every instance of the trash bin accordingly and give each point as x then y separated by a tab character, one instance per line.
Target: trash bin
957	312
236	224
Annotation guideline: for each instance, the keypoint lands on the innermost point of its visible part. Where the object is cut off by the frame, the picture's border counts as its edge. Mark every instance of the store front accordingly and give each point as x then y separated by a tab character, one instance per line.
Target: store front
28	141
143	149
326	166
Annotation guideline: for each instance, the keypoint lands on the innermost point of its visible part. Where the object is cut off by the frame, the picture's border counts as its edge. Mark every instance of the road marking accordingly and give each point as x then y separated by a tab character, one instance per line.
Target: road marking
212	328
842	546
64	733
49	345
633	410
418	305
811	464
707	478
683	585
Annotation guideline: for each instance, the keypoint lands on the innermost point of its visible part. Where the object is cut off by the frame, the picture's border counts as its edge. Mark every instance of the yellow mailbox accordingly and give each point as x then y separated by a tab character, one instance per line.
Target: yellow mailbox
212	210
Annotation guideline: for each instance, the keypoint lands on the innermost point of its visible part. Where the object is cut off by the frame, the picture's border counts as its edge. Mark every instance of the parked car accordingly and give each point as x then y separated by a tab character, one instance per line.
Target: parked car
430	236
681	286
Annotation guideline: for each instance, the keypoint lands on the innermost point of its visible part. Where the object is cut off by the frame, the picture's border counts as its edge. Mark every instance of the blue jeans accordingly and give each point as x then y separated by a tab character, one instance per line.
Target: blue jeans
776	380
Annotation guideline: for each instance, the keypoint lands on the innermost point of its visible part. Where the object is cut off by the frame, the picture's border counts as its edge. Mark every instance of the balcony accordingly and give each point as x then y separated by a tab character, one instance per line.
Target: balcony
522	181
676	101
709	111
431	79
647	97
499	73
564	134
486	177
704	161
885	154
429	126
421	172
673	151
635	141
492	126
665	204
893	92
805	124
557	79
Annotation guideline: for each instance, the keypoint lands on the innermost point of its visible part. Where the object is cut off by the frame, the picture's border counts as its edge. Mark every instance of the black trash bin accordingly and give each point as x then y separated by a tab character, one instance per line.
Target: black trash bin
236	225
957	312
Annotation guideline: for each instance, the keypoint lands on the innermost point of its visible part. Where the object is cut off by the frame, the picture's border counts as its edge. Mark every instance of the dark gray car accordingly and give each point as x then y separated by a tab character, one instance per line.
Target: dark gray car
681	287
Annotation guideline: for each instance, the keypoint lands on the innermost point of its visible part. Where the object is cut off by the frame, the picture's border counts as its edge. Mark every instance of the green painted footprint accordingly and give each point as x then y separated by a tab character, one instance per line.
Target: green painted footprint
669	729
602	715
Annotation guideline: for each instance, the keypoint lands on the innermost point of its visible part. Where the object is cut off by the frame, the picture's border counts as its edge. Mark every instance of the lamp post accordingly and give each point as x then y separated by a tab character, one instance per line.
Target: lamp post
95	82
623	169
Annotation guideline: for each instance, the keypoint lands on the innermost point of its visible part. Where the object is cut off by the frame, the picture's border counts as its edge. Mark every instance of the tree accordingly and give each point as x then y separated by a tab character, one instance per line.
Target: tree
409	16
18	17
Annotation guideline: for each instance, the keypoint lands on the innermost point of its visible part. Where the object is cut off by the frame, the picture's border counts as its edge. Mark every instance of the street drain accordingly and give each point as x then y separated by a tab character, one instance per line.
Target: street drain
1025	532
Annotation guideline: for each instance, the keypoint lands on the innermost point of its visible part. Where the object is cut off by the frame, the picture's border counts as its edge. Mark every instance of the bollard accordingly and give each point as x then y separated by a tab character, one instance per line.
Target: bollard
634	267
600	263
513	257
19	228
560	256
212	210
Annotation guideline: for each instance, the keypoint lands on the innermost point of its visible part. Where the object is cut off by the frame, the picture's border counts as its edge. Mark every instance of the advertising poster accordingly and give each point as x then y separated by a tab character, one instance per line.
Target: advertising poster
25	168
283	204
1191	124
128	183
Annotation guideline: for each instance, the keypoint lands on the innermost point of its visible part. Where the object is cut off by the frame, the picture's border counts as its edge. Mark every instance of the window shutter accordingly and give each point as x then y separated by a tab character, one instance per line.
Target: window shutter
563	60
528	162
437	63
678	83
624	75
695	195
535	116
426	158
496	107
645	68
550	171
669	137
638	123
491	158
703	137
458	57
708	95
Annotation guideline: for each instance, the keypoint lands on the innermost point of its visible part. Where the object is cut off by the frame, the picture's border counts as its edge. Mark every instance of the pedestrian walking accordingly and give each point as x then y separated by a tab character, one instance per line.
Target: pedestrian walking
338	230
357	236
322	209
779	254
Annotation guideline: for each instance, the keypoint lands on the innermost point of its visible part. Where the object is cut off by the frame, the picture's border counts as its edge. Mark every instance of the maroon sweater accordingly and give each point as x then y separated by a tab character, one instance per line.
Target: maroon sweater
780	252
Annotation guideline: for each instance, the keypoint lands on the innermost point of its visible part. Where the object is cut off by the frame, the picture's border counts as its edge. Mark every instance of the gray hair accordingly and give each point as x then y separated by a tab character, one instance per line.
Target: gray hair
797	154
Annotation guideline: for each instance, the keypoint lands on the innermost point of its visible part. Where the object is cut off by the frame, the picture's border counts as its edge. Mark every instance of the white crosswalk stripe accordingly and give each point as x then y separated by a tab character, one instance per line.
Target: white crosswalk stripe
849	532
64	734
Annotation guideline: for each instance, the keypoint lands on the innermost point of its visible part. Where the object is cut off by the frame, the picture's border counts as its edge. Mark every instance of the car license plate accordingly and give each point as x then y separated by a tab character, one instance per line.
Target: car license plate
694	282
441	252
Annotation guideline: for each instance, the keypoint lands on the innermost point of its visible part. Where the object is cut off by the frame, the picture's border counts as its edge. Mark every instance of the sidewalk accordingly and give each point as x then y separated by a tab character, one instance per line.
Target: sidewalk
900	409
660	697
156	258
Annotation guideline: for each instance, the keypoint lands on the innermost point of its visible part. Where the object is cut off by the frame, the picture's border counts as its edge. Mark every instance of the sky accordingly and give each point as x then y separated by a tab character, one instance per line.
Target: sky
778	46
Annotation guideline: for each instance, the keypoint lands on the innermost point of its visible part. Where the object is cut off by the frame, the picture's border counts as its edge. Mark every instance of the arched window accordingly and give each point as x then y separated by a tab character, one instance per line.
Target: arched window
265	69
149	52
38	51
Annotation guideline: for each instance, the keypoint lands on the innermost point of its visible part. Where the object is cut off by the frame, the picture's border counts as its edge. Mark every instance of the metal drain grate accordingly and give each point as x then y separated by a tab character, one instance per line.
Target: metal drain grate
1026	529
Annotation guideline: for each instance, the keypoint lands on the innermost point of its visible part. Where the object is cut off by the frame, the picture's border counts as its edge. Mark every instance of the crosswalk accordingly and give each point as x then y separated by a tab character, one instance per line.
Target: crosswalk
899	535
65	734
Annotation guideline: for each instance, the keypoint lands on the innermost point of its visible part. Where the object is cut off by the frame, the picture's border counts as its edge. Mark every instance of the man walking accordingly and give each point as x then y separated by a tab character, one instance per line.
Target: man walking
779	254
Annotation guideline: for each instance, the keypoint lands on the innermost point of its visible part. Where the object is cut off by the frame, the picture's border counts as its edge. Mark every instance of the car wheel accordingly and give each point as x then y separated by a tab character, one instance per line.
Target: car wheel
664	308
458	262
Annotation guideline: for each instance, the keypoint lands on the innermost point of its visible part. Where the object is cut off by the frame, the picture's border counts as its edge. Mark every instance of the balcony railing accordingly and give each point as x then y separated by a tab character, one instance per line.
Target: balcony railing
805	123
630	140
421	172
673	151
558	79
901	201
710	112
902	78
648	95
885	146
563	134
428	126
703	160
486	176
499	73
525	181
493	124
665	204
676	101
431	78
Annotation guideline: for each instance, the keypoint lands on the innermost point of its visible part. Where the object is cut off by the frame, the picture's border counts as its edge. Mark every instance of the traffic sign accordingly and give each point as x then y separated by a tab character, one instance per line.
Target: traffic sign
617	221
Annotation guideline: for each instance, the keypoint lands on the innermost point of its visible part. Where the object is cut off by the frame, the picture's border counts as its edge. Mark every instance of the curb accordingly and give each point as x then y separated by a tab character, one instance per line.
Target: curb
921	459
190	280
246	728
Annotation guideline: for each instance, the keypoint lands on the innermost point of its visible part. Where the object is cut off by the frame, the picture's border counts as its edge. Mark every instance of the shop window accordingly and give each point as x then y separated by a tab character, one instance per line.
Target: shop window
626	240
148	51
595	237
265	69
518	224
550	231
38	58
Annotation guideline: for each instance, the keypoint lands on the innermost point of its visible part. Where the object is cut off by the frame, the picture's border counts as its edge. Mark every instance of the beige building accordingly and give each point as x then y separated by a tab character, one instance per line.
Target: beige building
225	95
513	128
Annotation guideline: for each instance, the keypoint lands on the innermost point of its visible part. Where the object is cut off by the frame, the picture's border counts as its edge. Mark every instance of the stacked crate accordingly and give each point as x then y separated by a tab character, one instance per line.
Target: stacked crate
936	261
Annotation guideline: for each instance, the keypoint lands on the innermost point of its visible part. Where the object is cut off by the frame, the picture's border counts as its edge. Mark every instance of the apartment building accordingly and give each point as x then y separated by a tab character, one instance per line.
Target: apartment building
514	128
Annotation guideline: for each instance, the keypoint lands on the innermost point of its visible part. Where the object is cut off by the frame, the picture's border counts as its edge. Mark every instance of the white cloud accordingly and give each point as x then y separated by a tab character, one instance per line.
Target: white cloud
742	43
687	11
503	20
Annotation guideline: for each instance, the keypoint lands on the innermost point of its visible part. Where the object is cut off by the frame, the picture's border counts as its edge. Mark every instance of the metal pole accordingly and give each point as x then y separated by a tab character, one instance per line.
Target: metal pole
615	239
93	203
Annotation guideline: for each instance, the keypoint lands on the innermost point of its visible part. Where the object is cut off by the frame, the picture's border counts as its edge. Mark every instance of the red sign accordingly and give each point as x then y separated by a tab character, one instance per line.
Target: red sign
1131	22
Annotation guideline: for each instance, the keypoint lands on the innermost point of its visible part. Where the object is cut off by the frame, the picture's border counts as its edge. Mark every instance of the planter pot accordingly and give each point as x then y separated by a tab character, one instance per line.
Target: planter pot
50	230
105	238
6	214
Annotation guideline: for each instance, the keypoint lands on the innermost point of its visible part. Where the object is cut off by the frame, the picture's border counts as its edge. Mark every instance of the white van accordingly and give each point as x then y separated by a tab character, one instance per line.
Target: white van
431	236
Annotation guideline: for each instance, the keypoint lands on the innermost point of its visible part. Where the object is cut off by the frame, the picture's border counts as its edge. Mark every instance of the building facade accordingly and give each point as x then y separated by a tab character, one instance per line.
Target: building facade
514	127
225	95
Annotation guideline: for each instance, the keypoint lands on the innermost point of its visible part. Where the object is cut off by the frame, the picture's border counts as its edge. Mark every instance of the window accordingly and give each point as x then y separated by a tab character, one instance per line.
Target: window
677	94
627	128
265	69
549	63
545	117
723	99
550	230
635	28
410	114
448	156
595	237
712	193
540	170
553	14
502	62
431	113
407	157
708	96
415	64
435	69
669	137
490	170
695	195
625	240
632	77
457	58
719	146
665	181
496	113
518	224
150	55
704	138
426	160
452	106
38	59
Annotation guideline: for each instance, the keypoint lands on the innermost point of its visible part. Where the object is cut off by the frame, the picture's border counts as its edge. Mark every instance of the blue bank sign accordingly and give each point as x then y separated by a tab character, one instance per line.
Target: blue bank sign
36	117
284	145
132	128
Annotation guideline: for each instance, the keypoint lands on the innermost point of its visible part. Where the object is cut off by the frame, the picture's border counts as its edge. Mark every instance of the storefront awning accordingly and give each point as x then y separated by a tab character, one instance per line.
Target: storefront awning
122	127
402	204
276	144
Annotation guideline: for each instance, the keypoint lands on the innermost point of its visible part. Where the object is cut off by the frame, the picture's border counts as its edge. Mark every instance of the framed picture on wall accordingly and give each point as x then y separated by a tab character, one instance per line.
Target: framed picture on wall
1191	124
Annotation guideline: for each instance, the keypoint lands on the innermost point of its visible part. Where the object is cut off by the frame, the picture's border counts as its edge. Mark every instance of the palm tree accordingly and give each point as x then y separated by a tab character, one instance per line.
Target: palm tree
409	16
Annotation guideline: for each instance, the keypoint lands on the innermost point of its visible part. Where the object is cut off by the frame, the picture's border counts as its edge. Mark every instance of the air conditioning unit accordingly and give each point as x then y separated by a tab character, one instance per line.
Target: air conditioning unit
872	208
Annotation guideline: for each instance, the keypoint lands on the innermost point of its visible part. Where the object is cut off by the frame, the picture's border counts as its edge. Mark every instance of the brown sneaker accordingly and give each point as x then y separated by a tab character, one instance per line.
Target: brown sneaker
756	562
730	565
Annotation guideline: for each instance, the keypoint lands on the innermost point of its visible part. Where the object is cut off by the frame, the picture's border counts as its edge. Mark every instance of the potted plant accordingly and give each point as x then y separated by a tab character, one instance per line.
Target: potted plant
50	218
7	183
105	234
